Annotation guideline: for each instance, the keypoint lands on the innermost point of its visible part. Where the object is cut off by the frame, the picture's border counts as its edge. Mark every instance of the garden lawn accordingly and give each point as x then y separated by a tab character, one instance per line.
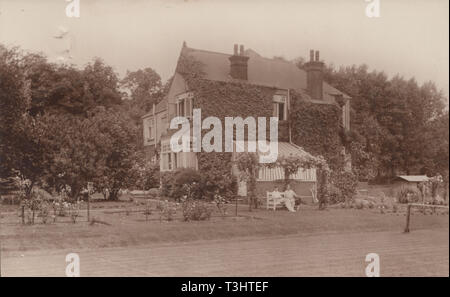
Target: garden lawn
128	227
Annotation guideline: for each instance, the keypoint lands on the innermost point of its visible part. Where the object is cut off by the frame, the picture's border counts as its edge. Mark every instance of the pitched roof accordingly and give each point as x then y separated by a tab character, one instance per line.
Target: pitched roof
160	107
414	178
261	71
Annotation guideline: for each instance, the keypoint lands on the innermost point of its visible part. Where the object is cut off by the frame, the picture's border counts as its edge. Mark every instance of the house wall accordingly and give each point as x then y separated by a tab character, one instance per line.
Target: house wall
146	123
160	126
178	87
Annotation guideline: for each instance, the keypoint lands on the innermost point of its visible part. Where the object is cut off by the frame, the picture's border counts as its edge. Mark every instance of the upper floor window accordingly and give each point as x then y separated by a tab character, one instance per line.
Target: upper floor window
280	107
346	115
184	105
151	129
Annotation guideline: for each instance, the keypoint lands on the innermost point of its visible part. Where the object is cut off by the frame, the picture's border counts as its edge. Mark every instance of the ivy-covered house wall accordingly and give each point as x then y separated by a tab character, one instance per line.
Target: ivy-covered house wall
315	127
224	99
318	129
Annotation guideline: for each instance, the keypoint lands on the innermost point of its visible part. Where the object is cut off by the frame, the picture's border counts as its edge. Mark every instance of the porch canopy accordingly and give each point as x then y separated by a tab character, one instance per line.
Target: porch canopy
285	149
413	178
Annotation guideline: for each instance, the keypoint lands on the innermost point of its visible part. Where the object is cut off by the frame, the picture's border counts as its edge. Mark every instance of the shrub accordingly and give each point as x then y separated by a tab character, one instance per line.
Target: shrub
44	212
31	206
167	180
213	183
221	204
197	184
408	195
359	204
74	209
334	195
174	184
345	182
166	210
60	208
395	208
195	210
146	176
153	192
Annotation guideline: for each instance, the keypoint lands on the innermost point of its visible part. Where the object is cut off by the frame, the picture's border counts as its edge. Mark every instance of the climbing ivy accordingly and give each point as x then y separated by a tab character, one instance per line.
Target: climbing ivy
222	99
315	127
318	129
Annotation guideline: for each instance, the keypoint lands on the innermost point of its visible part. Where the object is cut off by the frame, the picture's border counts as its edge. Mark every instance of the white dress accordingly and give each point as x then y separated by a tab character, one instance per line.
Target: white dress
289	200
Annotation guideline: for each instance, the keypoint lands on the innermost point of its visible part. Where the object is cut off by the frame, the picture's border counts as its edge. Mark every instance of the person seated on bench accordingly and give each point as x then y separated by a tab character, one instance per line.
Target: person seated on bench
276	194
289	197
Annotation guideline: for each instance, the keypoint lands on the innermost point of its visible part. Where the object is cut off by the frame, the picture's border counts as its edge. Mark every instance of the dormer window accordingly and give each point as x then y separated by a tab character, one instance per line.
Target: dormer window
280	107
184	105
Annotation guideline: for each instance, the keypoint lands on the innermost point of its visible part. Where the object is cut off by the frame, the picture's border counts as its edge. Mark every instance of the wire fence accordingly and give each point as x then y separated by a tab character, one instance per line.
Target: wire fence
422	206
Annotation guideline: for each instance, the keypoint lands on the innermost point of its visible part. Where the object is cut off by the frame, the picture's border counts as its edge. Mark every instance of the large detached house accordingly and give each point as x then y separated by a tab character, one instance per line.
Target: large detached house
249	68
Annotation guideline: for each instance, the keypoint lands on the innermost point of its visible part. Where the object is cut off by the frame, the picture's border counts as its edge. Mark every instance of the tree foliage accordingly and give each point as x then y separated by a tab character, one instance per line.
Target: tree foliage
63	126
391	120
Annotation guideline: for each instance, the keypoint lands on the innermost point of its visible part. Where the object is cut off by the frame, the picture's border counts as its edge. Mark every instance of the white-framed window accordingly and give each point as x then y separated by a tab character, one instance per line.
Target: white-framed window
171	161
151	129
280	107
184	105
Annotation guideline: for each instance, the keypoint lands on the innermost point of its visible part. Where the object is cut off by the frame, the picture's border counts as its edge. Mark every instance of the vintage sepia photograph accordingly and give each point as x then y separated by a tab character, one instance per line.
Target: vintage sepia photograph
224	143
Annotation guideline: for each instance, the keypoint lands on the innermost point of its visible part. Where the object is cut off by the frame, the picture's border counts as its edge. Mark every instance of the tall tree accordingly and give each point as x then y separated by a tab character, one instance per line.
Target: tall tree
144	87
389	118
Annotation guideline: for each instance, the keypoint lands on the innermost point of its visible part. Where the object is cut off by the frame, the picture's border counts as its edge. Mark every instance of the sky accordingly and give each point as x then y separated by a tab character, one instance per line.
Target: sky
409	38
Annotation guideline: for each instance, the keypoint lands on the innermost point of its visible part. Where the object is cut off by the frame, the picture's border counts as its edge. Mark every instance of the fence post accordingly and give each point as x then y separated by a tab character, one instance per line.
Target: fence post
88	206
408	215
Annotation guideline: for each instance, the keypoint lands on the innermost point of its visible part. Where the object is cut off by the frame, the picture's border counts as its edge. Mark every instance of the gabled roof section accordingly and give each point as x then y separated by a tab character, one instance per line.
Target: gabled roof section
261	71
160	107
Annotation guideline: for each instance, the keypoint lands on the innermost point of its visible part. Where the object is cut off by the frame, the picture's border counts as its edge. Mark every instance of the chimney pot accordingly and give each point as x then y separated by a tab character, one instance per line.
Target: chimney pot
314	76
239	64
241	50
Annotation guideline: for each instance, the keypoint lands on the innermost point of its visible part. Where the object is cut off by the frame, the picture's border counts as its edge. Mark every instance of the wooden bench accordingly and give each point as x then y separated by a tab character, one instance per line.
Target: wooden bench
274	203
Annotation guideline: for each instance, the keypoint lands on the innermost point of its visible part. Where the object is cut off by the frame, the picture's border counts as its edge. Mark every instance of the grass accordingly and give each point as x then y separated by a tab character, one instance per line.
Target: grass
128	226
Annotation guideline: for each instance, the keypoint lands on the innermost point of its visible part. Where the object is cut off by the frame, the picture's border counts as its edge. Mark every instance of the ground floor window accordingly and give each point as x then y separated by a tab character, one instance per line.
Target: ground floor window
171	161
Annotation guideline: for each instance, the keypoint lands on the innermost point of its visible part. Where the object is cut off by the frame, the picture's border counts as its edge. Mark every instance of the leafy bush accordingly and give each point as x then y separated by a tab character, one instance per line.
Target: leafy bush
31	207
146	176
60	208
186	182
194	210
153	192
166	210
213	182
174	184
221	204
167	180
197	184
334	195
74	209
359	204
408	195
345	182
44	212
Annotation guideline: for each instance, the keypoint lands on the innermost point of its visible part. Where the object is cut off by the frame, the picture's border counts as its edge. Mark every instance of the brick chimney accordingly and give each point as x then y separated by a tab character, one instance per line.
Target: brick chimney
314	75
239	64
